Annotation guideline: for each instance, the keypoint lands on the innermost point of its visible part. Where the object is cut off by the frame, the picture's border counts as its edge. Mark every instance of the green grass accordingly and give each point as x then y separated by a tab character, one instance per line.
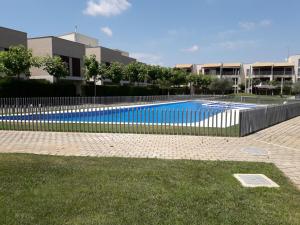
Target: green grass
257	99
232	131
48	190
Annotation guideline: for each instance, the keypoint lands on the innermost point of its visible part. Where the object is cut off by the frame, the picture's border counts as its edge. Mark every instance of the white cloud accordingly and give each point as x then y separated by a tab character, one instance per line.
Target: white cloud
148	58
247	25
107	31
254	25
106	7
265	23
194	48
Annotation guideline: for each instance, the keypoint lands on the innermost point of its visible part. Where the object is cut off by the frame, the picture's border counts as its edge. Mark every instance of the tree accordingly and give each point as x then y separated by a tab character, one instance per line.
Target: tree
296	87
92	70
199	81
178	78
136	72
2	67
132	72
115	72
142	73
164	82
154	72
221	85
55	66
17	61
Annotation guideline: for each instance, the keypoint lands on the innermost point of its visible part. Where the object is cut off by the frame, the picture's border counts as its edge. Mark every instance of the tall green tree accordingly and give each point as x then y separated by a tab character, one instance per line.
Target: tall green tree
132	72
17	61
55	66
154	72
178	78
136	72
2	67
143	73
164	82
296	87
92	70
115	72
221	85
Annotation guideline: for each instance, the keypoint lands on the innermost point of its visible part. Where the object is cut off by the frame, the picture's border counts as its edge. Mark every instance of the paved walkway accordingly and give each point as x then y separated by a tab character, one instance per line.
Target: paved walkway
279	144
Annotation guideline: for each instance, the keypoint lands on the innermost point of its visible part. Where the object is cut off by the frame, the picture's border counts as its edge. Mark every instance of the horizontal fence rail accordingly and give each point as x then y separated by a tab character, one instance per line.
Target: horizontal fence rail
253	120
117	115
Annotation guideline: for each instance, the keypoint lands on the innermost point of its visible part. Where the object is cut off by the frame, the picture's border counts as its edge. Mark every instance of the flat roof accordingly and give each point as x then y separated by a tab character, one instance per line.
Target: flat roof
13	30
212	65
232	65
272	64
284	64
183	66
263	64
54	37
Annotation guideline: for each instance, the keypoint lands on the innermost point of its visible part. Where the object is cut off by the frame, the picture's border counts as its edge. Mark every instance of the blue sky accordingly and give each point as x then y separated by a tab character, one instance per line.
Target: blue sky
168	32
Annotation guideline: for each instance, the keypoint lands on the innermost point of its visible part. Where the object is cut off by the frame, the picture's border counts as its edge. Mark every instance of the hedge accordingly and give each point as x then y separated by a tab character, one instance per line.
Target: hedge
35	88
88	90
10	87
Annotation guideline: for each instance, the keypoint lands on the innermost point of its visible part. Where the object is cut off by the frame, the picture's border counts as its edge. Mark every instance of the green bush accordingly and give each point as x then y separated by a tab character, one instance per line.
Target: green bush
88	90
10	87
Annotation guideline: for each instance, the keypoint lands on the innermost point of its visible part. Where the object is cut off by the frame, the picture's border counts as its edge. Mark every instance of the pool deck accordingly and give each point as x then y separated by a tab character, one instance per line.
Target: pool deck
279	144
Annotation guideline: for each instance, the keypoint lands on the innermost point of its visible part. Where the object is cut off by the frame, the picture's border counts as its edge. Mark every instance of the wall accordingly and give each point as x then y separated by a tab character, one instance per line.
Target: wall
11	37
40	47
94	51
110	55
80	38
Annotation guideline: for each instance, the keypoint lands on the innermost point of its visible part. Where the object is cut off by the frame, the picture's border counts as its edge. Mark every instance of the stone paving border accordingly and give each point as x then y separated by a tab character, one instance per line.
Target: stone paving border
280	142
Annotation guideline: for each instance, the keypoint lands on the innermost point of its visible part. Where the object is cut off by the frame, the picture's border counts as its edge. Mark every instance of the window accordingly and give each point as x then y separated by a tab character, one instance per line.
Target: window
66	60
248	72
76	70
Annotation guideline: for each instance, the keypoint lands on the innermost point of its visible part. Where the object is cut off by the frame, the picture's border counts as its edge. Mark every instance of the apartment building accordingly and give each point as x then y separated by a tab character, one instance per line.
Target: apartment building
189	68
265	72
10	37
233	71
72	53
103	54
269	71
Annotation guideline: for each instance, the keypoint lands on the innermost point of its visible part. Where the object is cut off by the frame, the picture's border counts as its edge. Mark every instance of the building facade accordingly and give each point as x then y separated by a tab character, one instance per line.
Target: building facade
189	68
103	54
72	53
264	72
9	37
232	71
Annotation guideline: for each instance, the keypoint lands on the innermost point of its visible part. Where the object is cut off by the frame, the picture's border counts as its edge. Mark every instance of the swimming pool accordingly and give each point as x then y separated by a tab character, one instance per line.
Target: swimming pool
187	112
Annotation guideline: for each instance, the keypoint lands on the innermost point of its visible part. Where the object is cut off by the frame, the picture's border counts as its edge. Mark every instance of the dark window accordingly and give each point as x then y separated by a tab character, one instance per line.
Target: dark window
6	49
288	71
76	71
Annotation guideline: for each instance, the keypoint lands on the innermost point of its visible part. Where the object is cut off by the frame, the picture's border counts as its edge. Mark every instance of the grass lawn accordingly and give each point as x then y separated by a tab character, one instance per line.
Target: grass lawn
48	190
232	131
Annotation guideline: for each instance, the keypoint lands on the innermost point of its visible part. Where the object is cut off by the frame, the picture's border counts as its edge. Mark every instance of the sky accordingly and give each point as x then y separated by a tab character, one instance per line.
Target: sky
169	32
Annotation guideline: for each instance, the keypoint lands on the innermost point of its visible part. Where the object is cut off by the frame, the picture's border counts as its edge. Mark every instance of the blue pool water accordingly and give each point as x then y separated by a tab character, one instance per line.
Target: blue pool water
180	112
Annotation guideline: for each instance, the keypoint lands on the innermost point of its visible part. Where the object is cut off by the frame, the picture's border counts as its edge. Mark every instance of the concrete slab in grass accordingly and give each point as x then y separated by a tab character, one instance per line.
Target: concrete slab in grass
255	180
